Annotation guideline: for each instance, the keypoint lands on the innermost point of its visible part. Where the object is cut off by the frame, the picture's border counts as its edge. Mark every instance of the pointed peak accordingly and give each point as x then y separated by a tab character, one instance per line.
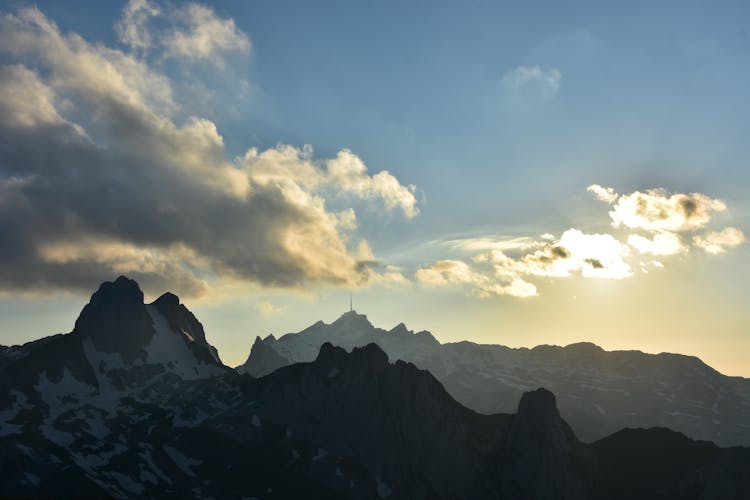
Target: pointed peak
400	329
353	319
167	301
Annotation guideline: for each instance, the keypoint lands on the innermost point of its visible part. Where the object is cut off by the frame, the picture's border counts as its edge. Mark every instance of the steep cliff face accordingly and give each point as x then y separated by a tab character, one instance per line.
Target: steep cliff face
116	320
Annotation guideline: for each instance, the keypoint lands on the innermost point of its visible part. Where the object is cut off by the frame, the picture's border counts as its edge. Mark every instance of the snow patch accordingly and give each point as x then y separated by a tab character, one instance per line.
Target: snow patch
169	349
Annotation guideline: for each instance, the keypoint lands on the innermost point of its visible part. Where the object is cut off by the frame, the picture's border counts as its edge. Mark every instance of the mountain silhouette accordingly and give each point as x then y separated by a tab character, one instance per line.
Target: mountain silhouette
112	411
599	392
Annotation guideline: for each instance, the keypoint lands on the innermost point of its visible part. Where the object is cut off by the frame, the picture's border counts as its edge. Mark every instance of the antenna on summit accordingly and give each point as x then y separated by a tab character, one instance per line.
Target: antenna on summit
350	302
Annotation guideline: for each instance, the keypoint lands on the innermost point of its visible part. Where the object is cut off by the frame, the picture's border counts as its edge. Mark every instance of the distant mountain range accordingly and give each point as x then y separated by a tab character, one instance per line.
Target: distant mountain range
135	403
599	392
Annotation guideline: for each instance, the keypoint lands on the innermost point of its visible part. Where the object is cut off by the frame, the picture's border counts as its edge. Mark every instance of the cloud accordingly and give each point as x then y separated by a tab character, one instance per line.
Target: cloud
503	266
267	309
491	243
98	177
665	243
717	242
190	32
605	194
591	255
132	29
656	210
200	34
531	83
444	272
495	273
452	272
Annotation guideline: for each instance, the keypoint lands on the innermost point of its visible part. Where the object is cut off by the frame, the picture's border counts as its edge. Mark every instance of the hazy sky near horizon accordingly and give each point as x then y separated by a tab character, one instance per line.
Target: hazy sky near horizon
502	172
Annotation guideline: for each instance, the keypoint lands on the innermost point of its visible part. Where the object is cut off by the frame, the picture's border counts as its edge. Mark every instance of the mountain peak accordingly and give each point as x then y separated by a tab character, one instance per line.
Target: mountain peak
539	406
167	300
353	319
116	319
368	356
584	348
400	329
123	289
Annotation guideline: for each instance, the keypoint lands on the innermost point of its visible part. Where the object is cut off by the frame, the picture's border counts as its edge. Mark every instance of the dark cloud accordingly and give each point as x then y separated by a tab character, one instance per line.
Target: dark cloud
560	252
148	196
595	263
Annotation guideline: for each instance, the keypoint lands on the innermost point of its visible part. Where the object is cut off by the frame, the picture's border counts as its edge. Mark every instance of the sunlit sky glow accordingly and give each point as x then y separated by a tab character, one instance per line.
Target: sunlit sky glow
500	173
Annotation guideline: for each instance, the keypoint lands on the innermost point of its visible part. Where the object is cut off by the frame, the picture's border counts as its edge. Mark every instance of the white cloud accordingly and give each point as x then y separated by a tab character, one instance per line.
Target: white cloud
288	166
494	272
132	28
188	32
483	243
591	255
656	210
200	34
348	172
717	242
665	243
605	194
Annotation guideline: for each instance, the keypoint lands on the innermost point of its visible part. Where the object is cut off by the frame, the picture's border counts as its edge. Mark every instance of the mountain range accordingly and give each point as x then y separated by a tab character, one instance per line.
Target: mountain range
599	392
135	403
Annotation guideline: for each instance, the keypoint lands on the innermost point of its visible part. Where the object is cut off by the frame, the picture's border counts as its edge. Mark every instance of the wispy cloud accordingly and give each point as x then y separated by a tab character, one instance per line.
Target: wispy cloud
530	83
267	309
190	31
717	242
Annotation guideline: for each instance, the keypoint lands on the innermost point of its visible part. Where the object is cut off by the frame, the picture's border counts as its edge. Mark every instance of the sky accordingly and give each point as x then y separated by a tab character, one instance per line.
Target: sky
518	173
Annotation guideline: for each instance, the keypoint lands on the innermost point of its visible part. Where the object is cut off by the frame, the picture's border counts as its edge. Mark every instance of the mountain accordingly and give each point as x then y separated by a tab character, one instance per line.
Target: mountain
599	392
116	330
134	403
349	425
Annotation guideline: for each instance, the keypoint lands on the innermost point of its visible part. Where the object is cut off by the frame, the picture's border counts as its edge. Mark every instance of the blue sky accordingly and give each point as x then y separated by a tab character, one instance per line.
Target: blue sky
499	114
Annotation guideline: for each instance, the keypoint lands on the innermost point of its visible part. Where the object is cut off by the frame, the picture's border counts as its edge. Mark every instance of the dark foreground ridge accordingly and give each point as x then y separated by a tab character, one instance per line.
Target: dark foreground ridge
139	423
